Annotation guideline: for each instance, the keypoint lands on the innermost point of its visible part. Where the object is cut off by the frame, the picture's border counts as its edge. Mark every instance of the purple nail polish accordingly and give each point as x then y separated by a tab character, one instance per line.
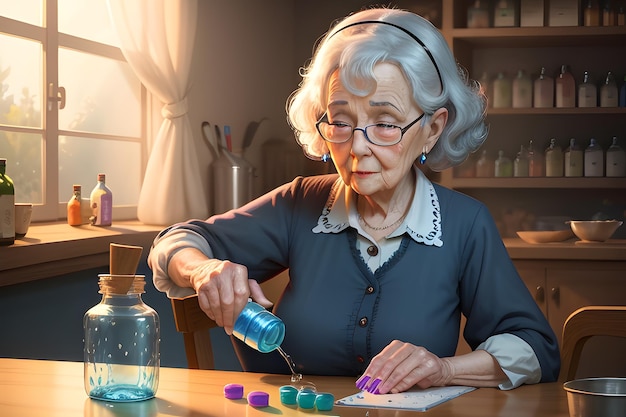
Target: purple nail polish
362	382
374	385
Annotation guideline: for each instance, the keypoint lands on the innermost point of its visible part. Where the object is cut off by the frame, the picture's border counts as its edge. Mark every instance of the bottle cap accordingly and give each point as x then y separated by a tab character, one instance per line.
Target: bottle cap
306	399
233	391
258	399
288	394
324	401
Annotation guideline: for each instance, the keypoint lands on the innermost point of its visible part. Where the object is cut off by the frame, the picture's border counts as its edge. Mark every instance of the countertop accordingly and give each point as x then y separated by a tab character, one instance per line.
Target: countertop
53	249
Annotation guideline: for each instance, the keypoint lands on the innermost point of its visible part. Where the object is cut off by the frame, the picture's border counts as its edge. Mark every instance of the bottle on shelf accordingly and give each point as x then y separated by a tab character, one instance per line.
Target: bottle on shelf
591	14
587	92
608	14
573	160
486	88
503	167
615	160
535	162
101	202
565	88
478	14
484	165
502	94
622	94
620	19
608	92
505	14
554	160
7	206
543	90
522	90
520	163
594	159
74	217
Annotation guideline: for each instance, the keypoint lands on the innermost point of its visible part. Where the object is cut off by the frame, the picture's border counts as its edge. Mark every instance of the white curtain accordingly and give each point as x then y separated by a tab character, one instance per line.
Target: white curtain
157	39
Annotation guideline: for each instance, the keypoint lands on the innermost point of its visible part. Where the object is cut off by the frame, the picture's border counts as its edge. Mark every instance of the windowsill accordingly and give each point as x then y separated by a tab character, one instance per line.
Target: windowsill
52	249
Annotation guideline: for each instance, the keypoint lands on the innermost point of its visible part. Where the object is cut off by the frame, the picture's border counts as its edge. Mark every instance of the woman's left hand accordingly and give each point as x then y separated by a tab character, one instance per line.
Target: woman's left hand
400	366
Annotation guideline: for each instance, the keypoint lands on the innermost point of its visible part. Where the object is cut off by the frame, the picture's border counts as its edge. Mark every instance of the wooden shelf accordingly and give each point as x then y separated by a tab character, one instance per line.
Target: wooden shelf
573	111
543	182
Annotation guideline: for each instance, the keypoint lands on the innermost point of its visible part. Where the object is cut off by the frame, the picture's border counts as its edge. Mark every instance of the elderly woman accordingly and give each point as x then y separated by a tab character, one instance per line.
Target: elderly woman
382	262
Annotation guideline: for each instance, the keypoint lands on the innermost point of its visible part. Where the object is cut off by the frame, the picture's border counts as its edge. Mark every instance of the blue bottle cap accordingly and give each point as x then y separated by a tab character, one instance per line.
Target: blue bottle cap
324	401
306	399
288	394
258	399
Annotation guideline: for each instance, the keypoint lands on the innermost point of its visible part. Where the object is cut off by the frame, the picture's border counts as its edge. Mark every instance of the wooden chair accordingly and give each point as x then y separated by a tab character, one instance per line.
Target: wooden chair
194	324
581	325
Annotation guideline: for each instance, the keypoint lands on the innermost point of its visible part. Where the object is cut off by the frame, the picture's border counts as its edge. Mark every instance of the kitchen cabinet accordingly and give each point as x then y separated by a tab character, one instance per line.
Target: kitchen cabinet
561	287
493	50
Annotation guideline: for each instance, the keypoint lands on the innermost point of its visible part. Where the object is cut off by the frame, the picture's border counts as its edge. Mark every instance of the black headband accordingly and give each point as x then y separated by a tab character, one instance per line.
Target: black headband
415	38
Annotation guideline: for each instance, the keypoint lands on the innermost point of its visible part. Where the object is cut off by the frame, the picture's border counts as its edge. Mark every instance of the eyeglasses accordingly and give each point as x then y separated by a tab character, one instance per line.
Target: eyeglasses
381	134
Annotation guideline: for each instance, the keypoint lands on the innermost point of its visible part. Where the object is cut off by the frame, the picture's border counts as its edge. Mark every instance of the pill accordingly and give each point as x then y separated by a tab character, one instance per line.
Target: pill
258	399
324	401
233	391
288	394
306	399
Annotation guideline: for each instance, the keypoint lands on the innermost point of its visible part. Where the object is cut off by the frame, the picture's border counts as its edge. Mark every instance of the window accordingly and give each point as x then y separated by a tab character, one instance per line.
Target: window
70	105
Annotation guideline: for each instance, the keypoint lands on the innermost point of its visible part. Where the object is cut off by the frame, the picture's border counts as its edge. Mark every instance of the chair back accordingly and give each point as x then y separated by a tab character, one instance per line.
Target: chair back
194	324
581	325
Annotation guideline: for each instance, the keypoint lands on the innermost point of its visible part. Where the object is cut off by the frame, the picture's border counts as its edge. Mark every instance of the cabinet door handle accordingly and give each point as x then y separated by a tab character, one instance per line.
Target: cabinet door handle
539	294
556	295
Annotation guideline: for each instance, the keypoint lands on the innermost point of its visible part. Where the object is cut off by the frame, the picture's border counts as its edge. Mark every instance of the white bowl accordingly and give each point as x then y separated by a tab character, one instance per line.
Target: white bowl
545	236
594	230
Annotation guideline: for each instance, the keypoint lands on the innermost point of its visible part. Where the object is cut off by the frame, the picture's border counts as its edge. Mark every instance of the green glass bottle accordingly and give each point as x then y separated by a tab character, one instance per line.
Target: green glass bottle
7	206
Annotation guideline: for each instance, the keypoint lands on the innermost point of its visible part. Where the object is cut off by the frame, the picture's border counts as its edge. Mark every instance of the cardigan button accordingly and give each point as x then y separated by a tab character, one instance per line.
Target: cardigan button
369	290
360	359
363	322
372	250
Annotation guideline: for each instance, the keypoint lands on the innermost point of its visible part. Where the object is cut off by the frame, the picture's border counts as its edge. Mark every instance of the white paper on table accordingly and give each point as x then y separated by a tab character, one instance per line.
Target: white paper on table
417	400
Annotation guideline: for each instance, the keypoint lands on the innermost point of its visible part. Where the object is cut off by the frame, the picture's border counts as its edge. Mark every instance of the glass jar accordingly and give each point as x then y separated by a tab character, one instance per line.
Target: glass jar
122	335
259	328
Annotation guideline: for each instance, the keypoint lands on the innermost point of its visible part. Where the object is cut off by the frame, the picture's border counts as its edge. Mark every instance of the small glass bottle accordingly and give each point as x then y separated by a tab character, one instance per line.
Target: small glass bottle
608	14
259	328
520	164
615	160
522	90
587	93
608	92
535	162
591	14
478	14
101	202
554	160
594	160
502	94
543	90
122	336
503	167
621	16
74	207
7	206
565	88
484	165
573	160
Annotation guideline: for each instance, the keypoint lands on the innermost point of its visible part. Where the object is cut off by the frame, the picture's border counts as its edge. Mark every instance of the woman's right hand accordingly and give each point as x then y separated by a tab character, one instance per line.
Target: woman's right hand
223	287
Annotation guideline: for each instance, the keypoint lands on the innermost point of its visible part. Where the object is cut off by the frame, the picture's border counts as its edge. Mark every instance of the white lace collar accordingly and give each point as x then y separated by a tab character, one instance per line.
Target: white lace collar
422	223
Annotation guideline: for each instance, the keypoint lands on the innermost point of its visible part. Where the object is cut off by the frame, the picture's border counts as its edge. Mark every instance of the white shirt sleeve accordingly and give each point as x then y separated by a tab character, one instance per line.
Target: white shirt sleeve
163	248
516	358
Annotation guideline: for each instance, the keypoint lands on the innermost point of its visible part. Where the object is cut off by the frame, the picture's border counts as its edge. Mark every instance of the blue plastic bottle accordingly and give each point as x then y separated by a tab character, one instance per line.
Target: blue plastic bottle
259	328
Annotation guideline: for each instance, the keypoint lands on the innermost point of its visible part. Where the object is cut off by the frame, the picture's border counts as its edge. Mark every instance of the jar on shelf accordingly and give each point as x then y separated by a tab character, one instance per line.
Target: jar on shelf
594	159
587	92
615	160
522	90
608	92
520	163
554	160
484	165
535	161
502	92
503	167
573	160
543	90
478	14
565	88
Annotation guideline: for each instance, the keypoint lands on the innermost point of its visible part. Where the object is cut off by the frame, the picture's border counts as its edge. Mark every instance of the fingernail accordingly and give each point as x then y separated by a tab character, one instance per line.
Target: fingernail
362	382
374	385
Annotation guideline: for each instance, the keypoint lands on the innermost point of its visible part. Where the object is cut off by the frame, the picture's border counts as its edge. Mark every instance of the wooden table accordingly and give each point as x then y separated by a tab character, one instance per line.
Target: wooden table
31	388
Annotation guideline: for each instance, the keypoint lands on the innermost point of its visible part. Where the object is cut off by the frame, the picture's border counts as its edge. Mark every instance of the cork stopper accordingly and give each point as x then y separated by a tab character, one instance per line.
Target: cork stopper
123	262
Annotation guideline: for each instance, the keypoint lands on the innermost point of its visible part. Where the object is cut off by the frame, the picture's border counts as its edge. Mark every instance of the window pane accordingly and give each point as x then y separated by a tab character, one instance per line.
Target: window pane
88	20
82	159
102	95
20	82
28	11
23	152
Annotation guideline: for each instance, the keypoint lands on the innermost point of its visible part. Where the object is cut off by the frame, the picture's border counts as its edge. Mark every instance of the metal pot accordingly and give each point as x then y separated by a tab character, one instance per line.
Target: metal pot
596	397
